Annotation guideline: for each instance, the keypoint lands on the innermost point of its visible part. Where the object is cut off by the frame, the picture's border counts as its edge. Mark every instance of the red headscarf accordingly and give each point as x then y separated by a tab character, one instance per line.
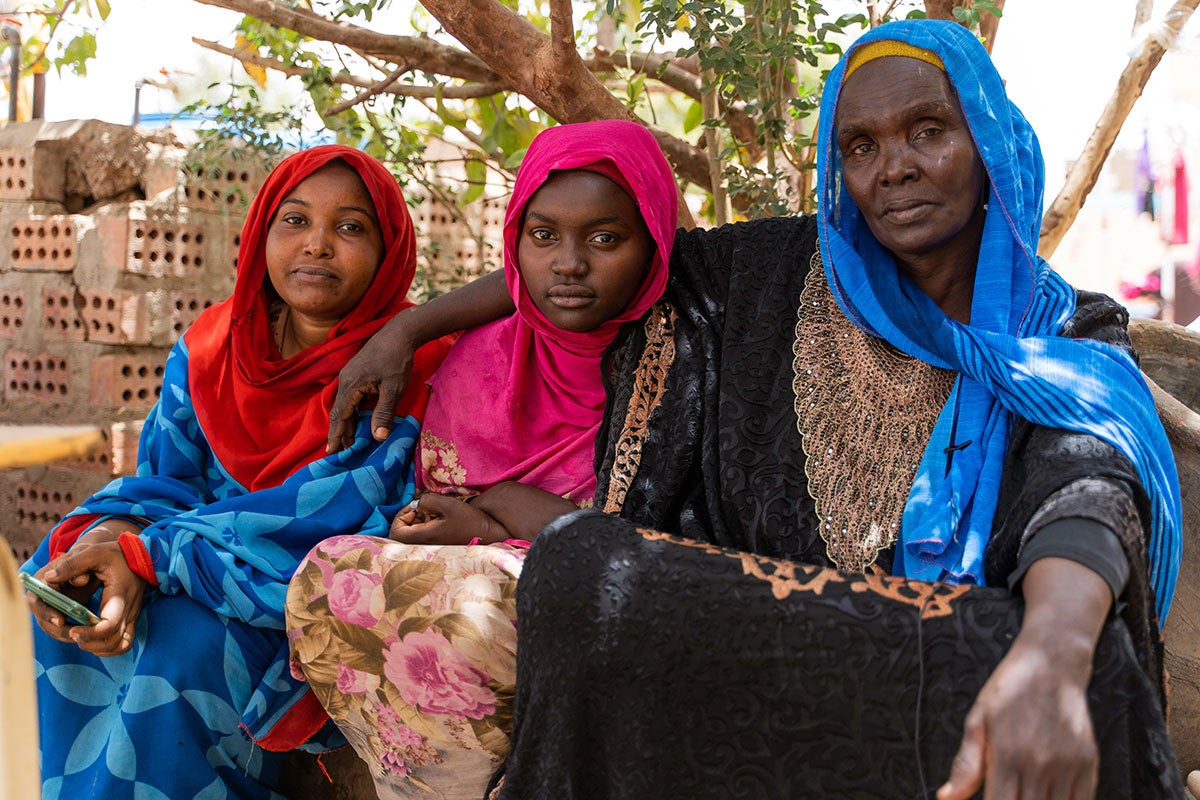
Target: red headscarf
520	399
265	416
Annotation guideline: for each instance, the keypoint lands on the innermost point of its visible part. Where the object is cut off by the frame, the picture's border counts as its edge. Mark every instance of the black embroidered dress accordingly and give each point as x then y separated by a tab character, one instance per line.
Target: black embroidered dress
736	662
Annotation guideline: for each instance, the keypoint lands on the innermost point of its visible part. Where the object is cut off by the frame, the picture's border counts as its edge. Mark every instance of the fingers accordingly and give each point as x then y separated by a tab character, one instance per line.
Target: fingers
346	402
52	621
114	634
381	417
966	772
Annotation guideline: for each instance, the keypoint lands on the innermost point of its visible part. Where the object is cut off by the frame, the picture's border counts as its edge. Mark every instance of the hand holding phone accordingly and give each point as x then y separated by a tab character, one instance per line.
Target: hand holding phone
76	612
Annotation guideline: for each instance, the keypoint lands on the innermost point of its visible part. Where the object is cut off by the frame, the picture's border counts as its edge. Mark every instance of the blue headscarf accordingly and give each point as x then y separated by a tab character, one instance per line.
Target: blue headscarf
1010	358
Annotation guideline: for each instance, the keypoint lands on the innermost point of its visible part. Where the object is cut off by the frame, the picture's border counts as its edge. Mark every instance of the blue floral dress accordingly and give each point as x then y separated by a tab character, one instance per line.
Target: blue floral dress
203	701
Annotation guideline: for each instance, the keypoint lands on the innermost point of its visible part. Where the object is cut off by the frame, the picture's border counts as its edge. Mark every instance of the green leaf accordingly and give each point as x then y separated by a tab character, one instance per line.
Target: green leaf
447	116
476	182
103	9
693	117
514	160
77	53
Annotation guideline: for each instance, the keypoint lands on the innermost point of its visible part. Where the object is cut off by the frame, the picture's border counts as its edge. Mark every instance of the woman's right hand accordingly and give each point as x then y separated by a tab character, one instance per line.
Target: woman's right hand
77	574
382	367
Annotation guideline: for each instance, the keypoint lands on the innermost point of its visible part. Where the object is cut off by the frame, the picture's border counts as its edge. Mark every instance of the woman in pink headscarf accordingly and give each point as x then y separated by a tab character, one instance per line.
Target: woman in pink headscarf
410	645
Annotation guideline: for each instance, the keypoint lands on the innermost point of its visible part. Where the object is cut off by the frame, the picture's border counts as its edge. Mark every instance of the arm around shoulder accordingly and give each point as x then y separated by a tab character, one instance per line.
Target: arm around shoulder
384	364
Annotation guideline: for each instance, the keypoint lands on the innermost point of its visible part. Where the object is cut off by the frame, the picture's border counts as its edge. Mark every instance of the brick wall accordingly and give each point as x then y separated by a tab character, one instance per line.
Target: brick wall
114	248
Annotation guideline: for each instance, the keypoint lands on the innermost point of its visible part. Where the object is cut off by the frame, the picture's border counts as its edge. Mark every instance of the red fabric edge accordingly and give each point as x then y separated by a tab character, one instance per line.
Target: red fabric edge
68	532
297	725
137	556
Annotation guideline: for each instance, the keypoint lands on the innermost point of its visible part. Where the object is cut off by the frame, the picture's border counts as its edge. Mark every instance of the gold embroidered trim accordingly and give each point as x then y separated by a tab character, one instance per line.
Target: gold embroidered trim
865	412
649	386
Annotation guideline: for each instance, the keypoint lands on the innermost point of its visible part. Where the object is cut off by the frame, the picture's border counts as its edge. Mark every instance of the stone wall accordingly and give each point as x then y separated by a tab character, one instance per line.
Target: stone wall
114	248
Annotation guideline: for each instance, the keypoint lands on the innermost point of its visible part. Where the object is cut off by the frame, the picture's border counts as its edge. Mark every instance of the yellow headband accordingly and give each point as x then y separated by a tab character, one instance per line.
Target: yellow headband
890	47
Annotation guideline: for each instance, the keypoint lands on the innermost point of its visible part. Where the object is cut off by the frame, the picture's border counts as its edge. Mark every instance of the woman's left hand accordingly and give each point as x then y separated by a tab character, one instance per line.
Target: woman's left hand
120	599
439	519
1029	734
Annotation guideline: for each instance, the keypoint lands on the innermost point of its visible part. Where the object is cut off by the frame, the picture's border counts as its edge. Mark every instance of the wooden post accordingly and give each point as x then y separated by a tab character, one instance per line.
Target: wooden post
20	775
1086	171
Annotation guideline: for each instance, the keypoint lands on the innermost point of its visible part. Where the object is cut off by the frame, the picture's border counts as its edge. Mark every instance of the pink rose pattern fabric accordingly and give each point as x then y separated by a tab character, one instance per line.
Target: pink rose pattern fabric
412	651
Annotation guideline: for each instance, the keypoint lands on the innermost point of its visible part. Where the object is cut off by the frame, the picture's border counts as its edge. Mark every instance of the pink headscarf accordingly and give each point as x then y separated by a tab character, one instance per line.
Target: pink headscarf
520	399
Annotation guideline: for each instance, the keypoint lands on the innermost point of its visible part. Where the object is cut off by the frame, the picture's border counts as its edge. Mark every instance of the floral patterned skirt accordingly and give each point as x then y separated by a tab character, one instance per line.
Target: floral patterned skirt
412	651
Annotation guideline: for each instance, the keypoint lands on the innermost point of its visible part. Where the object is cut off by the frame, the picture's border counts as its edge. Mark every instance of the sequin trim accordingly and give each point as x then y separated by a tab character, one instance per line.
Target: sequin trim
649	387
865	412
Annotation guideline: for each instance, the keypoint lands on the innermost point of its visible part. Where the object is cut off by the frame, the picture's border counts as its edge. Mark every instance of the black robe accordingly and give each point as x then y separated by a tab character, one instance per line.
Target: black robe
735	663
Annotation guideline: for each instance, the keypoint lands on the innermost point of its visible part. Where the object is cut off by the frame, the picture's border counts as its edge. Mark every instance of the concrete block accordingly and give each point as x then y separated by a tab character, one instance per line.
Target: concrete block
128	380
37	377
44	244
12	312
60	316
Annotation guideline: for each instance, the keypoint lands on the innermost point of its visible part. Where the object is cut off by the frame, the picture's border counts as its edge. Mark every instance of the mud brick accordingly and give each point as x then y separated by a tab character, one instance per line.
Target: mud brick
115	317
41	506
41	377
127	380
16	173
60	316
12	312
159	248
185	307
44	244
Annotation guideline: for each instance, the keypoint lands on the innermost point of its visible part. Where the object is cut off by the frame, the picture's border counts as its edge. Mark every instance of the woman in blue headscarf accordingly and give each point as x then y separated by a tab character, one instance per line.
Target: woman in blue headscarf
933	552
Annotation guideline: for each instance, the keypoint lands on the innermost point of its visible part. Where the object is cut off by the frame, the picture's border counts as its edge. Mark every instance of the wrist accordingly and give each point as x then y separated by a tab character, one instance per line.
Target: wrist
1065	648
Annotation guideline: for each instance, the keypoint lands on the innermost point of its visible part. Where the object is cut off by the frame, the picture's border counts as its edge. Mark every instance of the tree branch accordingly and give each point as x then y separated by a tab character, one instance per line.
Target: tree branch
1083	175
469	91
370	92
568	92
504	49
1141	14
562	32
423	53
667	72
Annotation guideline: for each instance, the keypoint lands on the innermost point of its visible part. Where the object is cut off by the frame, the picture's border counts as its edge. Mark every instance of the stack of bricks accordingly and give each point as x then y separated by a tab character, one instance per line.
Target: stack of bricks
115	247
112	254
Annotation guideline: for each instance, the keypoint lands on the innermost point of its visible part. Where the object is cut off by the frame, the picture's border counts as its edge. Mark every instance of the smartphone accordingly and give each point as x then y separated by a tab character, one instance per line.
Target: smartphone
57	600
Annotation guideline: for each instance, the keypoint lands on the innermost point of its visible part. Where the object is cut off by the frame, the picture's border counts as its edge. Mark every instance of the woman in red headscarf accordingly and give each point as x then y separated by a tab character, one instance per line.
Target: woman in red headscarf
411	644
182	689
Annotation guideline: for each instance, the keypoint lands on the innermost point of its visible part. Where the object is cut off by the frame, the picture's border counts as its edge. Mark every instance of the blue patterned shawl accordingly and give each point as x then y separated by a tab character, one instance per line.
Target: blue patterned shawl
233	550
1010	358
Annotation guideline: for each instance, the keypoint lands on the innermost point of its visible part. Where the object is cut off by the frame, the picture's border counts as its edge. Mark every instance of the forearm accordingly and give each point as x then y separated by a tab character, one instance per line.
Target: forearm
523	510
1066	605
481	301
